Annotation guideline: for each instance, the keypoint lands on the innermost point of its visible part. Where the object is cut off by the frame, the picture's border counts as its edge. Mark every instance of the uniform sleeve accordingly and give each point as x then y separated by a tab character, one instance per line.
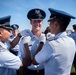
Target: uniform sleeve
45	54
9	60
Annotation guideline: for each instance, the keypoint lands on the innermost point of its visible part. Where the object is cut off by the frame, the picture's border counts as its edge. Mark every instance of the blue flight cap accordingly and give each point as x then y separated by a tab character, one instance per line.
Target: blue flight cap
5	22
36	14
60	15
14	26
74	26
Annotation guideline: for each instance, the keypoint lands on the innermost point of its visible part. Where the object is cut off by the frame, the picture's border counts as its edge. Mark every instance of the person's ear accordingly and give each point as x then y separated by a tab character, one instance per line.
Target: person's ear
56	24
0	33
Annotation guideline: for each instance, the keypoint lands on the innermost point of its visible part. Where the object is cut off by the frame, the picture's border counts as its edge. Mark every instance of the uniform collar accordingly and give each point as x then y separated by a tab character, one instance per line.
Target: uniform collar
3	45
62	34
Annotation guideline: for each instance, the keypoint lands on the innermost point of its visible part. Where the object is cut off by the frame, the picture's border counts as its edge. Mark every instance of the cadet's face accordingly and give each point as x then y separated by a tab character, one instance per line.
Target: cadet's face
5	35
15	32
36	24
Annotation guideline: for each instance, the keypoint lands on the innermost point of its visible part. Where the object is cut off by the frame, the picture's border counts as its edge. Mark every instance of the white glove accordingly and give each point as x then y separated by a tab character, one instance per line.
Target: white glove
50	36
42	38
26	39
25	32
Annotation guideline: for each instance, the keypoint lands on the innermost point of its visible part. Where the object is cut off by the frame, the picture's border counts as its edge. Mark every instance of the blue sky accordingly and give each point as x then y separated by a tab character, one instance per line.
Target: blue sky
18	10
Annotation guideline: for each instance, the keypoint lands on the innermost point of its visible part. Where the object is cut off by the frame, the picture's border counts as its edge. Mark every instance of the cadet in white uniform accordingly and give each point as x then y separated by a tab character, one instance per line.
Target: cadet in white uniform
36	17
73	35
57	55
14	32
9	63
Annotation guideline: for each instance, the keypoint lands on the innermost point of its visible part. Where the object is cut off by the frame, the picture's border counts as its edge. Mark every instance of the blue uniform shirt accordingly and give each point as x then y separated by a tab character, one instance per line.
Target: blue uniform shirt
9	63
33	44
57	55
